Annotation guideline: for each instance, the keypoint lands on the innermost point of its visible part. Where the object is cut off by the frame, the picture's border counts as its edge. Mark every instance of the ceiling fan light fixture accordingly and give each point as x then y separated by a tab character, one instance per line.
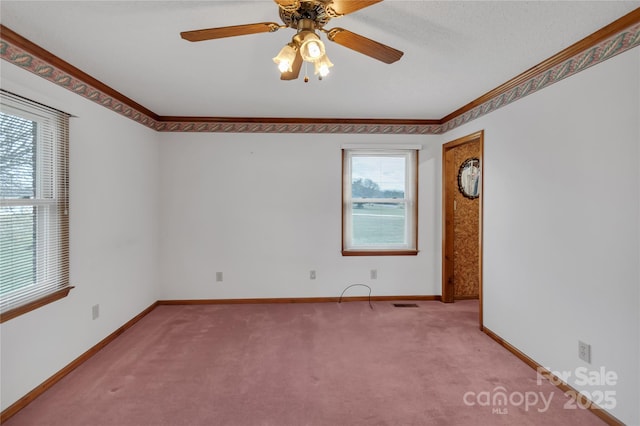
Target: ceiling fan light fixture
285	58
322	66
311	47
307	18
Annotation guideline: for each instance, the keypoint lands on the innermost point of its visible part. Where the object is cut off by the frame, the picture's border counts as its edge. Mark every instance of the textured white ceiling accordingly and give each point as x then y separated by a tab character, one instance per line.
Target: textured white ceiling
454	52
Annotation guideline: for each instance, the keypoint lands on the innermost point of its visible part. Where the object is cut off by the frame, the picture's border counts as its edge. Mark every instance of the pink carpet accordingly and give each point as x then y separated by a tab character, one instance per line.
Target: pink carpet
304	364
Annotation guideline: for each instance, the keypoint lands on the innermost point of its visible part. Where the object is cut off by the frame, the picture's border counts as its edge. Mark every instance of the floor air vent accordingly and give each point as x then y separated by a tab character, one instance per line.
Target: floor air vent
405	305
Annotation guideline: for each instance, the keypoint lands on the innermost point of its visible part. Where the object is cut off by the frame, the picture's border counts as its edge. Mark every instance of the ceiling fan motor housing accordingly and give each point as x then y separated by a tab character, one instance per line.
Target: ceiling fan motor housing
320	12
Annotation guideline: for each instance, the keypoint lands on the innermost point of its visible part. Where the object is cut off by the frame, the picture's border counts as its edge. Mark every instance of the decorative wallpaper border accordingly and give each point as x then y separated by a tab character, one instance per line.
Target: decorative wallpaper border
23	53
297	127
30	62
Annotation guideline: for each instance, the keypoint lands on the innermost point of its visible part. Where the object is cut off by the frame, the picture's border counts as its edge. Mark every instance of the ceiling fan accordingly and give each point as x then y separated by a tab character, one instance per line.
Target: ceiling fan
307	17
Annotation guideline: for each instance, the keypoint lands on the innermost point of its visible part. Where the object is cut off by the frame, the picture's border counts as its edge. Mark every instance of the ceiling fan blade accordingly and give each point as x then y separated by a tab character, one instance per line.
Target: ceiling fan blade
295	68
236	30
343	7
364	45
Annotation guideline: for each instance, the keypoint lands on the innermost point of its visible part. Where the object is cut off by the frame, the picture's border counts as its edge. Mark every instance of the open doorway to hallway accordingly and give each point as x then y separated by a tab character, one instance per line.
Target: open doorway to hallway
462	171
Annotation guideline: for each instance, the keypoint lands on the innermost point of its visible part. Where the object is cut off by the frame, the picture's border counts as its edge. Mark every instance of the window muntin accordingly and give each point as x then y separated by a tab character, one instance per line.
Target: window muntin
379	202
34	234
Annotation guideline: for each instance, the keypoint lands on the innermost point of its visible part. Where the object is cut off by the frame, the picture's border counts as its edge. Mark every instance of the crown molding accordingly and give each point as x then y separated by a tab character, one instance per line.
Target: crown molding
617	37
22	52
297	125
613	39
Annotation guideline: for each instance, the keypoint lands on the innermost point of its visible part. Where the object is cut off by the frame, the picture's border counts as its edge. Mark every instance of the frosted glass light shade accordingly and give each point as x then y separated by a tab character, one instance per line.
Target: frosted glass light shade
312	47
285	58
322	66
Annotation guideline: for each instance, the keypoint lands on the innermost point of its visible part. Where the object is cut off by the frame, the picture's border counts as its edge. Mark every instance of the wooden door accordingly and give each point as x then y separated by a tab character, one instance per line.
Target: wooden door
462	223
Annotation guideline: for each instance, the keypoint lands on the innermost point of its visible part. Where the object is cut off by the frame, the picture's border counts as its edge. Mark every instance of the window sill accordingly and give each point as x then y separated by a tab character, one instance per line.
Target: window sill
379	252
35	304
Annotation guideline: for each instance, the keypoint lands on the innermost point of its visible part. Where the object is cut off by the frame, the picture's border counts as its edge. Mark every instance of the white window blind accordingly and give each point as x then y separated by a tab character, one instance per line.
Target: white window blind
34	202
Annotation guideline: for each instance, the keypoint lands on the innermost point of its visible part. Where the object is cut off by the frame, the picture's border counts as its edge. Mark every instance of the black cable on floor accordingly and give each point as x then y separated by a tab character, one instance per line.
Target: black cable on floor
354	285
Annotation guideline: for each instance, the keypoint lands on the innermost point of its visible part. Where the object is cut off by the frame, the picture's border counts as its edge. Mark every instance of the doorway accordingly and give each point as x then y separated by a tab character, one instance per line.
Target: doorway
462	177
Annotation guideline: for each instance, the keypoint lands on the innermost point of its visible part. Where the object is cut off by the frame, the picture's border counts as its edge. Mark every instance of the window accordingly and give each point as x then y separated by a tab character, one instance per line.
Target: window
34	224
379	202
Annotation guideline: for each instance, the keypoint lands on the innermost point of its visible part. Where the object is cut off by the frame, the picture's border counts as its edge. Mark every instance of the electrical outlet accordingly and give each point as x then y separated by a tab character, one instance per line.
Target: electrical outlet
219	277
95	312
584	351
374	274
312	275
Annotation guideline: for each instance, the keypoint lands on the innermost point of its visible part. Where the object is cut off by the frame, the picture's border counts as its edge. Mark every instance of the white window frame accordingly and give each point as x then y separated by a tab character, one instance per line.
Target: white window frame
50	202
410	202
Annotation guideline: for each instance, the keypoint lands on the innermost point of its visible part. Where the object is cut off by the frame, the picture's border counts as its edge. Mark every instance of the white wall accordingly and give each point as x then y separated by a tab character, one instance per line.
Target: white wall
638	331
114	228
265	209
561	224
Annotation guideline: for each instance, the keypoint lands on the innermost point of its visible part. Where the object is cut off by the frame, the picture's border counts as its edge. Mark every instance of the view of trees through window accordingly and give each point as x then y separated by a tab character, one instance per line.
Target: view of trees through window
366	188
17	222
